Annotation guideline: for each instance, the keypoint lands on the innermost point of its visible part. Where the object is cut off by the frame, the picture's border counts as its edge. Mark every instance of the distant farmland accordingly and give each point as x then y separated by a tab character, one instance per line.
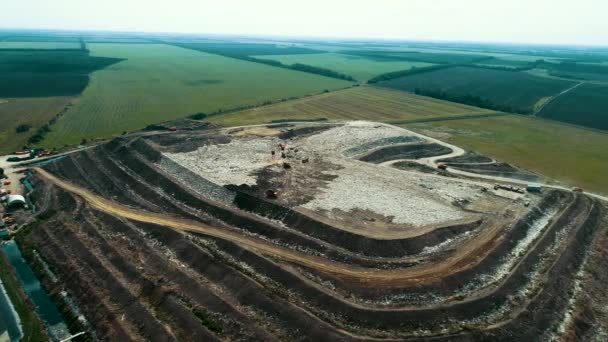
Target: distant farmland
361	68
417	56
359	103
160	82
44	73
574	156
517	91
586	105
39	45
34	112
37	85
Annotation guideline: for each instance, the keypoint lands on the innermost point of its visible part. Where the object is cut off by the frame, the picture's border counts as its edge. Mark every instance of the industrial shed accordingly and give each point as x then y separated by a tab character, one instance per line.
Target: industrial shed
15	201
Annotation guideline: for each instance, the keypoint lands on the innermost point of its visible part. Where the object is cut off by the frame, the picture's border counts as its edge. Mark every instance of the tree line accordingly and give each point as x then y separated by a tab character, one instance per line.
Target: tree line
468	99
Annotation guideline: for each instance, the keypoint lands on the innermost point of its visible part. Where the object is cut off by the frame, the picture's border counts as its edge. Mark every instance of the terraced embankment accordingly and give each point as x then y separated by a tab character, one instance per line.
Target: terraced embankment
149	252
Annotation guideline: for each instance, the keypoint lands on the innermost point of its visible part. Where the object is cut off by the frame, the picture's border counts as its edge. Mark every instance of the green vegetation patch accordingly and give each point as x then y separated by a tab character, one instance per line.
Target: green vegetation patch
508	90
586	105
157	83
43	73
579	71
50	38
39	45
248	49
360	68
416	56
358	103
571	155
34	112
245	51
505	63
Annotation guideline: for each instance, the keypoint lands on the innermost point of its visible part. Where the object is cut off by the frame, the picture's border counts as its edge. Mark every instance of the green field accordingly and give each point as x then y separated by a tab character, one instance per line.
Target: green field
516	91
44	73
417	56
359	103
360	68
573	156
228	48
586	105
39	45
505	63
160	82
32	111
42	37
578	71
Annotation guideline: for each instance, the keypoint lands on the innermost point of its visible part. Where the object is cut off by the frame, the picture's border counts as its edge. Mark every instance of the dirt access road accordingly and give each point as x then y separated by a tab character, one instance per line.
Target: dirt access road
466	257
457	152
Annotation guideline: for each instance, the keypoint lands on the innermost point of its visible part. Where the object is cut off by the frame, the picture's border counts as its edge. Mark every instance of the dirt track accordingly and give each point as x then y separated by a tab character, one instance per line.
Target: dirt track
126	236
362	275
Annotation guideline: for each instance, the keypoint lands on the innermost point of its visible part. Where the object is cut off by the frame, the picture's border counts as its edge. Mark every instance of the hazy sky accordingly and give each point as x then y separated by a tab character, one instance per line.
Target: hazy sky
530	21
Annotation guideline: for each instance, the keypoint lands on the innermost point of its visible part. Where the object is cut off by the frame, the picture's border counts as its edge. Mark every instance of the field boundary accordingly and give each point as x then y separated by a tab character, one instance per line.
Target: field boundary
449	118
309	69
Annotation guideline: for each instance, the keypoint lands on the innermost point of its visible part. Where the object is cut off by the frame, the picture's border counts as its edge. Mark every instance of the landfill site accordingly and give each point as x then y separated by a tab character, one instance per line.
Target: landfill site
315	231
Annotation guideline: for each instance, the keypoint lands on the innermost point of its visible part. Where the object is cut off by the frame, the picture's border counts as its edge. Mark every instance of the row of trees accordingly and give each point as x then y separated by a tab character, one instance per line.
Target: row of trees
468	99
402	73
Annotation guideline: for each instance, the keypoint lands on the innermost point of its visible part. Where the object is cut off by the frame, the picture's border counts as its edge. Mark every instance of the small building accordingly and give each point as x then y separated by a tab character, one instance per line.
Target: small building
534	188
15	201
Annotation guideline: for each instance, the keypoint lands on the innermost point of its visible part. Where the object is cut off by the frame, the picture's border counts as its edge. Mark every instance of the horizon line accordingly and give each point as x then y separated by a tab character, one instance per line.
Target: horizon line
311	37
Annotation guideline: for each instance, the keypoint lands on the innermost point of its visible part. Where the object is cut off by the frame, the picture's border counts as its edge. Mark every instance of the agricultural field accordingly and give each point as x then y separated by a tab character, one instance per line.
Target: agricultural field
45	73
416	56
247	49
31	111
578	71
358	103
41	38
157	83
39	45
504	63
586	105
517	91
361	68
573	156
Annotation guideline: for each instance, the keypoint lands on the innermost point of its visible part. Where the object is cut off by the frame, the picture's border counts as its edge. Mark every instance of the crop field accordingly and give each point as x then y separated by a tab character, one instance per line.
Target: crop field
45	73
579	71
586	105
358	103
247	49
504	55
504	63
416	56
360	68
517	90
31	111
573	156
50	38
160	82
39	45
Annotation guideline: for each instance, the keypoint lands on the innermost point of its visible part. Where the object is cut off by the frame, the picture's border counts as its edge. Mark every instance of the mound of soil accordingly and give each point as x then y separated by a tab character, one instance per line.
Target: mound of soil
412	151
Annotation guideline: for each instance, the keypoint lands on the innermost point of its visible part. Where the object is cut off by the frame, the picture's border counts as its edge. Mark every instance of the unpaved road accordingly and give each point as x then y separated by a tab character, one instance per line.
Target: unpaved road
457	152
553	98
374	277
